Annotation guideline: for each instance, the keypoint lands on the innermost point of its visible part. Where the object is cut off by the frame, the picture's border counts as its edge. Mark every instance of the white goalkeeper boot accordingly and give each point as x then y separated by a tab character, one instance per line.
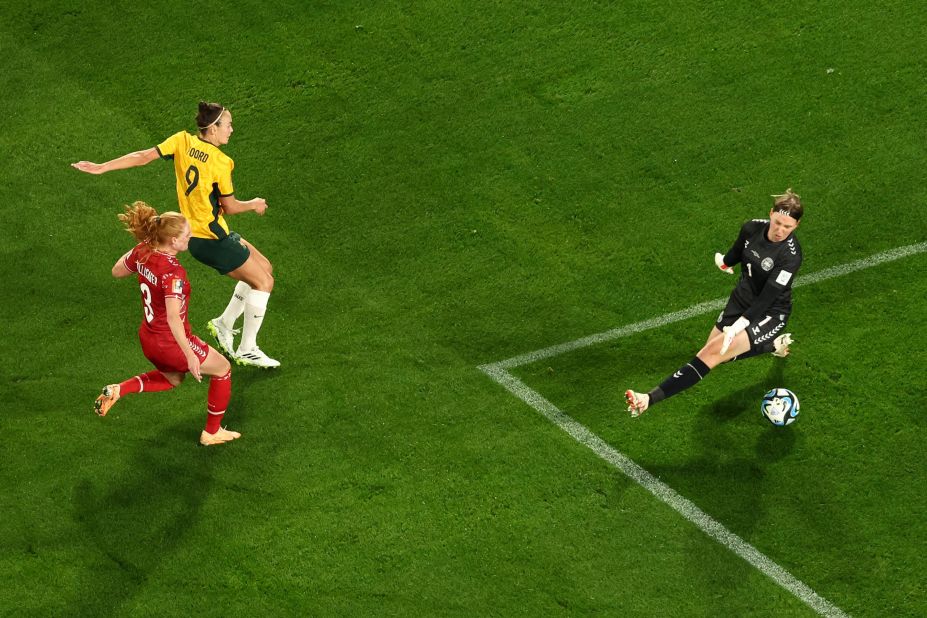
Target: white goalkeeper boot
637	402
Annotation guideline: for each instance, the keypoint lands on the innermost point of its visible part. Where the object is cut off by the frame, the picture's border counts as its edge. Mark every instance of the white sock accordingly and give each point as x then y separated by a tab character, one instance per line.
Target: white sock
236	305
255	307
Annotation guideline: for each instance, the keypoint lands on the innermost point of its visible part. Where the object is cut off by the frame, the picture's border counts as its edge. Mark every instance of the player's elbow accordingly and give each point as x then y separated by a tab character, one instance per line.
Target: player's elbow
145	156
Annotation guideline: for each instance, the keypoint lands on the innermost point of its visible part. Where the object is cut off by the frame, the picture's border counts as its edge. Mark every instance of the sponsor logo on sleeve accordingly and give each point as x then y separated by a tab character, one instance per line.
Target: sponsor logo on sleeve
176	286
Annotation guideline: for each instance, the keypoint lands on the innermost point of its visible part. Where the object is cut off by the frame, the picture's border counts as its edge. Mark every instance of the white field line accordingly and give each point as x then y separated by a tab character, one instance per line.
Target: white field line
498	372
705	307
664	492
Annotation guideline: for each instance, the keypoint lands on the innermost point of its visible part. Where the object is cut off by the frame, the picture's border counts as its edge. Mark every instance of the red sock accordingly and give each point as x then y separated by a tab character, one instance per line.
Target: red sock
220	391
150	382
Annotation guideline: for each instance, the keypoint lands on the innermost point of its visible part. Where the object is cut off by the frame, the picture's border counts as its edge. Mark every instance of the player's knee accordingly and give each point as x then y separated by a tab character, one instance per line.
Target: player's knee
261	281
266	282
224	366
174	378
710	358
710	354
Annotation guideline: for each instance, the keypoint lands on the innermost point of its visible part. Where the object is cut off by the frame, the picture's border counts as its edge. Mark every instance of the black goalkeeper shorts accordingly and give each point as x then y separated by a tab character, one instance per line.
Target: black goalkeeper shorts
760	332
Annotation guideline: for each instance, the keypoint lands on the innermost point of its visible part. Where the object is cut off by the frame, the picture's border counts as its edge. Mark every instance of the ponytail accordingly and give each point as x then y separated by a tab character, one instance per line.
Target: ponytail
147	226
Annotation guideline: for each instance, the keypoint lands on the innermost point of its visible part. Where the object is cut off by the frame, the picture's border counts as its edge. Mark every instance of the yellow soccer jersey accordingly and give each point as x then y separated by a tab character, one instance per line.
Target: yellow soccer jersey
204	174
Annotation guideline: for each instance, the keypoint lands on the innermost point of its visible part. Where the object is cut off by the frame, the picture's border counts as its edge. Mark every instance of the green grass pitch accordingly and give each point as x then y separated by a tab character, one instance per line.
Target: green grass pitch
452	184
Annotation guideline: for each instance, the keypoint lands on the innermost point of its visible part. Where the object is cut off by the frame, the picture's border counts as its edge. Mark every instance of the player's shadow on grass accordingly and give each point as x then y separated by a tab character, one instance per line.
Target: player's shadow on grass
746	399
243	398
771	445
731	473
140	518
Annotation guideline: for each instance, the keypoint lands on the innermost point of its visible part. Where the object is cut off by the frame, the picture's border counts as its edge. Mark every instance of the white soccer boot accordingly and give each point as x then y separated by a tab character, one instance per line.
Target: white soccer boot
224	336
221	436
255	358
781	345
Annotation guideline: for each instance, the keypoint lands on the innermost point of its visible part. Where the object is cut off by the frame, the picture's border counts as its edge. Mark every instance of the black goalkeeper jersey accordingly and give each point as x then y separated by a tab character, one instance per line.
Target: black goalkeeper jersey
767	272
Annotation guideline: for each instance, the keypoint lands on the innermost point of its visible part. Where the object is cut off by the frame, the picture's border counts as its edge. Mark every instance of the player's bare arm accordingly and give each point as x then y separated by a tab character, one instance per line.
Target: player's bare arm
119	268
233	206
133	159
174	321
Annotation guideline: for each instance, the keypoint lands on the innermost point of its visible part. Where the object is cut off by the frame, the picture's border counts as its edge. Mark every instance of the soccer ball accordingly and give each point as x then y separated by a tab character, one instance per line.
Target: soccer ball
780	406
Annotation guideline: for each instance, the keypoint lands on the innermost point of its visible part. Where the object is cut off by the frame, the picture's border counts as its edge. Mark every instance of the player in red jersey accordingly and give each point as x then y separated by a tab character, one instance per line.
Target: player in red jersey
165	331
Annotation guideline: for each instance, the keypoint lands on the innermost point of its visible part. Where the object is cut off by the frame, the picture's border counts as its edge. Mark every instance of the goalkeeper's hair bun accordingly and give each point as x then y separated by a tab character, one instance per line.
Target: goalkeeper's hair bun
789	203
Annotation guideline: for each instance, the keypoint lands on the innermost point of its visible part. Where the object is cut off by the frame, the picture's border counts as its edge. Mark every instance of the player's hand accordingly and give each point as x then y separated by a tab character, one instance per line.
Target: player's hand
732	331
89	167
193	366
259	204
719	262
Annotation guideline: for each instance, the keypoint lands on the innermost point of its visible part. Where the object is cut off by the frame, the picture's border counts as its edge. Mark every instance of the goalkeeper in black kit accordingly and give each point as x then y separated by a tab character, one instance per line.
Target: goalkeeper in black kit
754	319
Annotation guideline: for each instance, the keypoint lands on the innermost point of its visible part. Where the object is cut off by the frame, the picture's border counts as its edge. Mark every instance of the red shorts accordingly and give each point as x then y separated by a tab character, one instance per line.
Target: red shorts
164	353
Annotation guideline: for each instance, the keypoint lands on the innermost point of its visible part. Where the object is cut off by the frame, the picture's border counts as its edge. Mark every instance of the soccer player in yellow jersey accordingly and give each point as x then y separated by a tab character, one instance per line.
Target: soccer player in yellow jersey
205	193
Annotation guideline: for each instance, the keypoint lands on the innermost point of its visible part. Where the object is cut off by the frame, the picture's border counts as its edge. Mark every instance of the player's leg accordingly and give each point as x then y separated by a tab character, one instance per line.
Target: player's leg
150	382
226	255
164	377
692	372
685	377
714	333
220	392
261	258
257	272
223	328
765	337
689	374
711	356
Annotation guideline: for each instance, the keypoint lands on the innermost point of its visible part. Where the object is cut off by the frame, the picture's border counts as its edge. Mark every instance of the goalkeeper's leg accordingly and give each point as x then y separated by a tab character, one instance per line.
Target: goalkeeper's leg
689	374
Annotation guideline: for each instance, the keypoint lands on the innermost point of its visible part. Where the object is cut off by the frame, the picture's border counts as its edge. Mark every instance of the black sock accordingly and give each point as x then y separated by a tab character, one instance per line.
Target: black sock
686	376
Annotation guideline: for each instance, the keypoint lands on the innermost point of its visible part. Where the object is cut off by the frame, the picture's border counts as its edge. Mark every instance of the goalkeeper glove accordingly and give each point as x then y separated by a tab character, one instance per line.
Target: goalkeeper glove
731	331
719	262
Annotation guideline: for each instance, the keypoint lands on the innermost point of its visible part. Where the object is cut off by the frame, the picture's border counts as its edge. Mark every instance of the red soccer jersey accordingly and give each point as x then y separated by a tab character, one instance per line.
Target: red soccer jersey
160	276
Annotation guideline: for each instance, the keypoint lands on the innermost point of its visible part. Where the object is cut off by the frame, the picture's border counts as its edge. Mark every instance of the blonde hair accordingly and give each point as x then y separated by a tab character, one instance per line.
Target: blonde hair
789	203
147	226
